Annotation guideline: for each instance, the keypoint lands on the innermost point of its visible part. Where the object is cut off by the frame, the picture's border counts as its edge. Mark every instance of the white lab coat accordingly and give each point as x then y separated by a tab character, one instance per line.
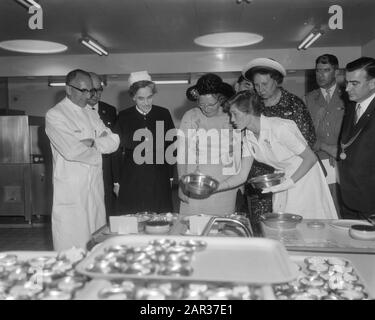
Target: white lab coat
279	144
78	192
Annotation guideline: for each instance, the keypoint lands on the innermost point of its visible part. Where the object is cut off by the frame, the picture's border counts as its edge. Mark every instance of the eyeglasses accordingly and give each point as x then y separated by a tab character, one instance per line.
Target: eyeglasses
85	91
207	106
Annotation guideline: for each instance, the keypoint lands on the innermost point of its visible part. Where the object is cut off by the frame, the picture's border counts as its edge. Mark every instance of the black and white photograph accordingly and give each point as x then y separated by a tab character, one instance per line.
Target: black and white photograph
191	151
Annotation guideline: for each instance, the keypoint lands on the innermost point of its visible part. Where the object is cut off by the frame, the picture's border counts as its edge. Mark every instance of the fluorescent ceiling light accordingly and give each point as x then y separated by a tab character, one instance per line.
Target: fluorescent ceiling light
33	46
56	84
228	39
62	83
171	81
94	46
310	39
29	3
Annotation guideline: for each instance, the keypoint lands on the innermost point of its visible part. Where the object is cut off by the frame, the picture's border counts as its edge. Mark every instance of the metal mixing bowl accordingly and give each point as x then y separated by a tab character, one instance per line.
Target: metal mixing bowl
281	220
267	180
199	186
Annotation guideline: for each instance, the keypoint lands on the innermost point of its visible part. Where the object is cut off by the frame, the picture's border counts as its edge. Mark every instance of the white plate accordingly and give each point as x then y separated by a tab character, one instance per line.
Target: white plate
346	224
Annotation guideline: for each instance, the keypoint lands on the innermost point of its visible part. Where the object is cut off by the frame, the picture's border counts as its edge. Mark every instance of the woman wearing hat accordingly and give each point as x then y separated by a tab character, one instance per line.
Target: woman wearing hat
280	144
267	76
216	155
143	183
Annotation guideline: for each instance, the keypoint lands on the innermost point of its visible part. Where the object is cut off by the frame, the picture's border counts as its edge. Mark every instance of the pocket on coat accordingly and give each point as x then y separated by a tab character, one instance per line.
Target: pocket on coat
66	192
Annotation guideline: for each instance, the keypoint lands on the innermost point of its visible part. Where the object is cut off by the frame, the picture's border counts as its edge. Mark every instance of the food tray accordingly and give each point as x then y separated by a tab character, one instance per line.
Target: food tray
323	278
38	275
100	289
245	260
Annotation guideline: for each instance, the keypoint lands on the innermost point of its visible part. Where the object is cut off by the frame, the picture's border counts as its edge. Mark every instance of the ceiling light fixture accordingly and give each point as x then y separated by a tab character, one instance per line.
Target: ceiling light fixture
310	39
56	83
228	39
33	46
29	3
171	81
94	46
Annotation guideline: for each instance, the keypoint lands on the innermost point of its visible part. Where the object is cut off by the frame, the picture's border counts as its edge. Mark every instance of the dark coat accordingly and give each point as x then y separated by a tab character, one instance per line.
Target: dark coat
357	171
108	114
143	187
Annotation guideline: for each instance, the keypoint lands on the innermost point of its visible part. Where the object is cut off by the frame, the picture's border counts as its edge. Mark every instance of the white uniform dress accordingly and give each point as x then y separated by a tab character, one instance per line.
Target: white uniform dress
279	144
219	157
78	193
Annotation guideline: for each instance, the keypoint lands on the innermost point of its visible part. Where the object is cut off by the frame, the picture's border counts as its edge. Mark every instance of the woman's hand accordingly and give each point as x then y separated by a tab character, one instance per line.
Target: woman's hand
182	196
287	184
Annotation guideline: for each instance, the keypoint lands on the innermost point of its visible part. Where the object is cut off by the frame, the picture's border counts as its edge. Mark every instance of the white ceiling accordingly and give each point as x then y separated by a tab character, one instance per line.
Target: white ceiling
130	26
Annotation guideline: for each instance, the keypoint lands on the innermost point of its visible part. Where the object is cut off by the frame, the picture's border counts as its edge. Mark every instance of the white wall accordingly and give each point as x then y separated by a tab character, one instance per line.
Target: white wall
368	50
190	62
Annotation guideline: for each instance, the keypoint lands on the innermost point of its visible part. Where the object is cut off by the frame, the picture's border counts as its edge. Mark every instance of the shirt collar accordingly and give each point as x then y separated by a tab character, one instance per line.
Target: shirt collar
72	104
331	90
141	111
365	103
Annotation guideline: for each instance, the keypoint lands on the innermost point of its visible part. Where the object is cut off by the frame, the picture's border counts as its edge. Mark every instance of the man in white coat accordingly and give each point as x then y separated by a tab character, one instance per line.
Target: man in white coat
78	139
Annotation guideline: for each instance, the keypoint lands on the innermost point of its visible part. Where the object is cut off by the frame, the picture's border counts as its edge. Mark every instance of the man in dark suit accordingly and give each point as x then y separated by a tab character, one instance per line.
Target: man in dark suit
108	114
357	152
326	105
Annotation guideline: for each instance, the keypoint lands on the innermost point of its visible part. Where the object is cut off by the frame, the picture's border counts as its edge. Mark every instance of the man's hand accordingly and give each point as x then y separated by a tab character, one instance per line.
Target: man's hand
183	197
88	142
287	184
116	189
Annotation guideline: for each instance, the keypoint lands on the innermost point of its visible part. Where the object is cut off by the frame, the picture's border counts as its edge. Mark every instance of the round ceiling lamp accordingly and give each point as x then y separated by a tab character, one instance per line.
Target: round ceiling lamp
228	39
33	46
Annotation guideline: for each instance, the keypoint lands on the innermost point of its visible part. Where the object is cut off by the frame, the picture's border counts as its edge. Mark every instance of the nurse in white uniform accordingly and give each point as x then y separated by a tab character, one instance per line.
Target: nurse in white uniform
78	138
279	143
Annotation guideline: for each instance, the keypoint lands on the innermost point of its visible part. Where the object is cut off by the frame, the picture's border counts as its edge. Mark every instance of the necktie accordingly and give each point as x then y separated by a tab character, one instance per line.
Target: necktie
357	113
328	96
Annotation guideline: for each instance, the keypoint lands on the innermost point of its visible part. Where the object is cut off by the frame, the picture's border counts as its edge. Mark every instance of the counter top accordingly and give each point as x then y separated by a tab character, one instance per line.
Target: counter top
327	238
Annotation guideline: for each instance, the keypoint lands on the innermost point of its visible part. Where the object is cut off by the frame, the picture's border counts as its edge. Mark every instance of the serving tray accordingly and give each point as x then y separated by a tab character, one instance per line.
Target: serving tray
245	260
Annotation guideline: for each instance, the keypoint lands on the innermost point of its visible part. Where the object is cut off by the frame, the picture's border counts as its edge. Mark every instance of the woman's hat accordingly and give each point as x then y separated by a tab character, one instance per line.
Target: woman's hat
209	83
138	76
267	63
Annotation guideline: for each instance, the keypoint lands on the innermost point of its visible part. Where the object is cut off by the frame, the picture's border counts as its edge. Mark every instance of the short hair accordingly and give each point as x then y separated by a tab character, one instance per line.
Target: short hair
328	58
247	102
141	84
365	63
274	74
74	74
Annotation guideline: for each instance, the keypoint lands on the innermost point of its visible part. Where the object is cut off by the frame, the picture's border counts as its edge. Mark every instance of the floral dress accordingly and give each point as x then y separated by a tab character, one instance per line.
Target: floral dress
289	107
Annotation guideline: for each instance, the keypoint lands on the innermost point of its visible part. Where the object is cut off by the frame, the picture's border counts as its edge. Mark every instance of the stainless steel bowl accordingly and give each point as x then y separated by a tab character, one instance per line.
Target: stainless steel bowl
281	220
267	180
198	186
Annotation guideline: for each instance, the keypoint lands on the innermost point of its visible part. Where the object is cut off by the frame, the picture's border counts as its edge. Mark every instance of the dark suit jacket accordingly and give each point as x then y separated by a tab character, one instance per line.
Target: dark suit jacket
357	171
108	114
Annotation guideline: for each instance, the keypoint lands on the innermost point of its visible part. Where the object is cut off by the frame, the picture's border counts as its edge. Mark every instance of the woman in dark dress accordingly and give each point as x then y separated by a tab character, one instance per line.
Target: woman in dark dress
267	76
143	176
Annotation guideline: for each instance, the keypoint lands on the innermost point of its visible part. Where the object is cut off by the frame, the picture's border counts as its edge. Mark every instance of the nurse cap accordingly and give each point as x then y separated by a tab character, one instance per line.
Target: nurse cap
138	76
257	63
